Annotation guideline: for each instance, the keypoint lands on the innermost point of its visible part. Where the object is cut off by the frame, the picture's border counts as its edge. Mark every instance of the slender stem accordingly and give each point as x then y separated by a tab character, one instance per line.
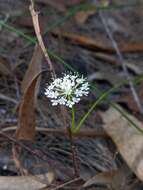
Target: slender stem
74	153
82	120
73	119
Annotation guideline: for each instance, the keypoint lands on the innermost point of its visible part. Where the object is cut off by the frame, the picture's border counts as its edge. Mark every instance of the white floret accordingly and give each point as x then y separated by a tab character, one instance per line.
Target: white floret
67	90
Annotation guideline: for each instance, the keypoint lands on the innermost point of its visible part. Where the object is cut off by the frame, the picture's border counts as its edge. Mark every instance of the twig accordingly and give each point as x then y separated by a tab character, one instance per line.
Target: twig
35	20
7	98
65	184
92	133
122	62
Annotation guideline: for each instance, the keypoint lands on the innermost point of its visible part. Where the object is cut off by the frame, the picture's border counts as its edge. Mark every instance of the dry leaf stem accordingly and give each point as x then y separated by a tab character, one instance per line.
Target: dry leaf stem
36	25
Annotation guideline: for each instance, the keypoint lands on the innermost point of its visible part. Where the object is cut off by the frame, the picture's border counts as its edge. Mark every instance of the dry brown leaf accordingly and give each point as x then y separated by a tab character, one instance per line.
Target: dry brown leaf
103	178
26	120
98	43
84	41
128	139
24	182
114	179
33	70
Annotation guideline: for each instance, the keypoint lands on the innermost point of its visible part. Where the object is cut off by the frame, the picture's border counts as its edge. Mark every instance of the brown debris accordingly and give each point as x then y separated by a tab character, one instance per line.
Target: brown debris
26	123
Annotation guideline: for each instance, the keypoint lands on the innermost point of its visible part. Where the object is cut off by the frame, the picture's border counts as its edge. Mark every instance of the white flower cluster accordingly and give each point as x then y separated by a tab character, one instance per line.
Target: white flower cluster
67	90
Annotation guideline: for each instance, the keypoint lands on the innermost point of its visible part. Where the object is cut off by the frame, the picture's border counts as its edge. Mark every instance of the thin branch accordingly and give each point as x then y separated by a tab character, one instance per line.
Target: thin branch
88	132
67	183
122	62
7	98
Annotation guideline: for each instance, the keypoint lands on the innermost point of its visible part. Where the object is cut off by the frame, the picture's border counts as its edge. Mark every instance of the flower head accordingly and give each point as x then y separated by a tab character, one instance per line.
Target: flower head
67	90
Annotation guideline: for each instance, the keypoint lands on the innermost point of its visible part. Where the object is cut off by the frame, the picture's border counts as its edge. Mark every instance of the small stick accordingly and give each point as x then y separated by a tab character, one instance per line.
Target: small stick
88	132
67	183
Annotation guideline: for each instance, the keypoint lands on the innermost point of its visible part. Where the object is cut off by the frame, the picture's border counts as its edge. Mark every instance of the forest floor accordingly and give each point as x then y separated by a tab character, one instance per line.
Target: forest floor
103	41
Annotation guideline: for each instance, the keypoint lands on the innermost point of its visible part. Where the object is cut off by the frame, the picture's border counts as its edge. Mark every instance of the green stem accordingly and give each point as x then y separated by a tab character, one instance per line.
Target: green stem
73	119
103	96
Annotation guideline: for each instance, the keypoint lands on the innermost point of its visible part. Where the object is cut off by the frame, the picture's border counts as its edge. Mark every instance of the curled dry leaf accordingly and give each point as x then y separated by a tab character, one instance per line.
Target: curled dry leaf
128	139
30	86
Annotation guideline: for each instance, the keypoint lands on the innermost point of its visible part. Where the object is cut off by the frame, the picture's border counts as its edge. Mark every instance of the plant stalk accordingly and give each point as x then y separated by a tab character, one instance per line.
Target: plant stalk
74	153
73	119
